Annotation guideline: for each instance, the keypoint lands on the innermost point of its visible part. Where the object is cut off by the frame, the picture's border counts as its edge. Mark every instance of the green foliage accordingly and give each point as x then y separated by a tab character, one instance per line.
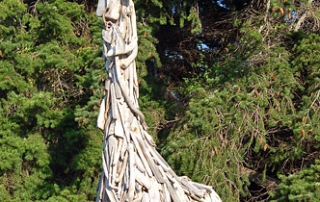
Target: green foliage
239	114
302	186
52	75
213	158
147	50
252	101
166	12
45	55
252	40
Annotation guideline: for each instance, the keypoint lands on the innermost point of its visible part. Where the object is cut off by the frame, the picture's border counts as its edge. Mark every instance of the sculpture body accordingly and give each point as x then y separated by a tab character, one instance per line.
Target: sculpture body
133	170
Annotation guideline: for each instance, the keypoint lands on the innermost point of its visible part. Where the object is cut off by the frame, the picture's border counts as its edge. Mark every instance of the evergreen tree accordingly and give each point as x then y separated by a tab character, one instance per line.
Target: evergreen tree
46	50
225	85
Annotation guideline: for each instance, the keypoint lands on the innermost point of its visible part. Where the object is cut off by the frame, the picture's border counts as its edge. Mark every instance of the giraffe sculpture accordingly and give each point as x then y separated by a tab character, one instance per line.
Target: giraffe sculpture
133	170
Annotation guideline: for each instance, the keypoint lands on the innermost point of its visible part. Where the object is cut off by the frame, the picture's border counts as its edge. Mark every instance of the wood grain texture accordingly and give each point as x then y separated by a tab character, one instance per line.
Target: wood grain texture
133	170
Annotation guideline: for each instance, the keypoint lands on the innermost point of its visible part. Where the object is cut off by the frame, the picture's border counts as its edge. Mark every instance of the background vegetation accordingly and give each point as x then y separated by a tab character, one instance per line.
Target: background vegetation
230	89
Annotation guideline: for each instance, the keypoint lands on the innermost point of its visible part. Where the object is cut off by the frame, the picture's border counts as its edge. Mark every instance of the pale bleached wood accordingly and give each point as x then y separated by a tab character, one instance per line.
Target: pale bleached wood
118	90
154	194
133	108
158	160
130	81
106	130
179	190
118	131
143	179
145	197
121	47
114	113
150	141
147	156
202	186
123	167
107	100
139	164
133	23
110	194
132	174
102	4
133	170
166	195
140	153
192	189
100	192
101	117
127	61
173	194
123	24
112	145
120	145
139	197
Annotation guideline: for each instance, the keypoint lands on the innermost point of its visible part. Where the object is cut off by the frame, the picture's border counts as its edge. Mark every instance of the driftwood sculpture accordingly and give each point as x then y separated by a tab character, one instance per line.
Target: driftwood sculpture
133	170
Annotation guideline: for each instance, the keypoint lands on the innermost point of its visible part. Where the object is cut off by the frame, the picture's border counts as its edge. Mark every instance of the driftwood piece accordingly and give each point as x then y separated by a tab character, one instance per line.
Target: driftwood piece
133	170
269	183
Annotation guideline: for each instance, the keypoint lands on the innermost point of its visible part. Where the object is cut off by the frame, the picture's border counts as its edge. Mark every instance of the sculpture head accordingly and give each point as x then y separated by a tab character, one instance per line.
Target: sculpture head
113	10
